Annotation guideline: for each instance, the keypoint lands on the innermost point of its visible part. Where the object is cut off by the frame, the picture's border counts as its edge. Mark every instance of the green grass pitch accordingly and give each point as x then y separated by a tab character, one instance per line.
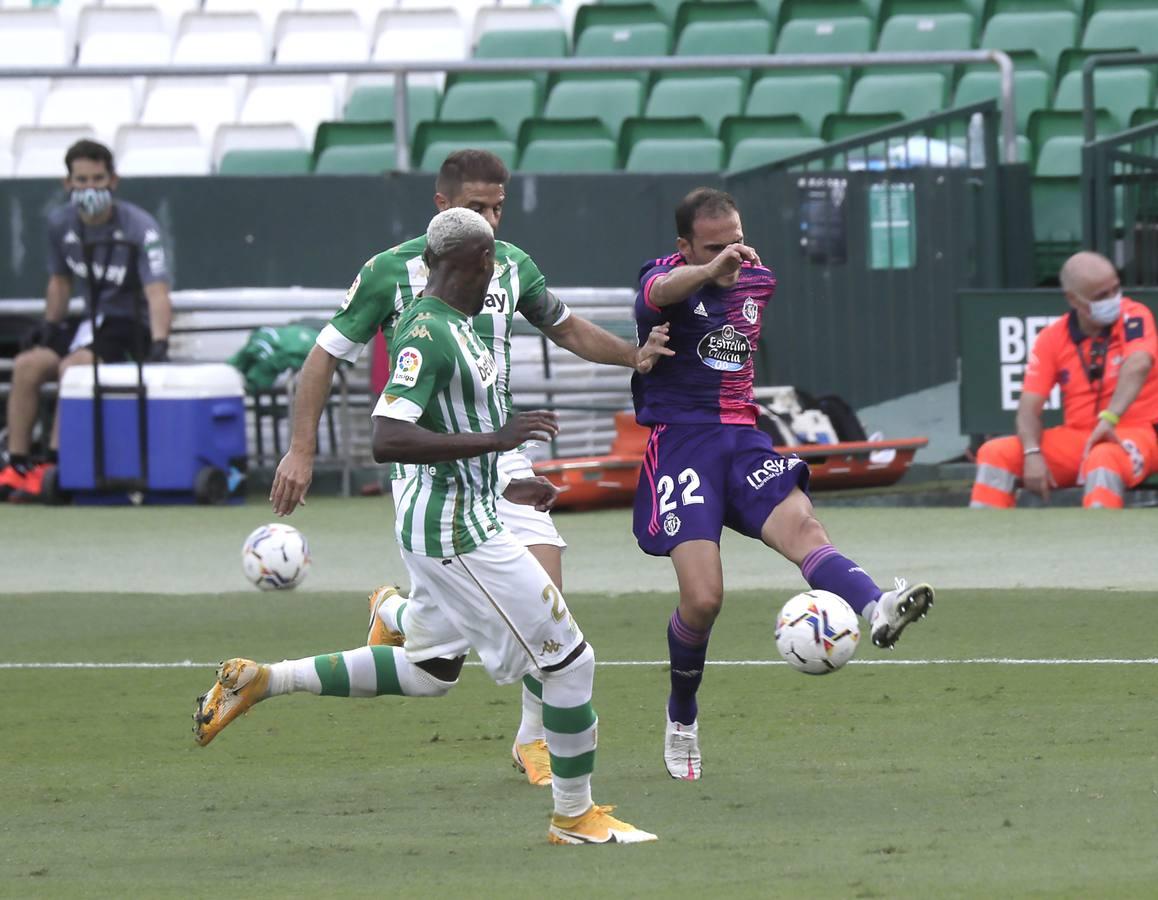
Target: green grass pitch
949	771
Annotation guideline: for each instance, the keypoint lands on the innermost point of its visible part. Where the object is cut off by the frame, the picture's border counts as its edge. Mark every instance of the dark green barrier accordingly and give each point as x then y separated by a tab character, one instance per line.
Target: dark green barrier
995	331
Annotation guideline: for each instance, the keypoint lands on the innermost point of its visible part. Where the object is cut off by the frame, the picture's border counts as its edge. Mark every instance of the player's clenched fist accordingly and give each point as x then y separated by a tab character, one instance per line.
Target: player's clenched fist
537	492
536	425
729	260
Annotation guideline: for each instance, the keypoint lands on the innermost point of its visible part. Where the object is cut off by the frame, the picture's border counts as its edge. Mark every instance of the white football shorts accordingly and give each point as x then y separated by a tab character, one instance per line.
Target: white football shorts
496	599
529	526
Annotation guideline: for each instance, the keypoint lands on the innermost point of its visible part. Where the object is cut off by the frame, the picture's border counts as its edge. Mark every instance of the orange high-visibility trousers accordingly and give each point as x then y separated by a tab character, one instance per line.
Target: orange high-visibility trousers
1107	472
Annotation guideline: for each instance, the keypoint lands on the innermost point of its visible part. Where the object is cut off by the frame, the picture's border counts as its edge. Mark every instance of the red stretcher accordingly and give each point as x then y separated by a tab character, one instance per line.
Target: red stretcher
595	482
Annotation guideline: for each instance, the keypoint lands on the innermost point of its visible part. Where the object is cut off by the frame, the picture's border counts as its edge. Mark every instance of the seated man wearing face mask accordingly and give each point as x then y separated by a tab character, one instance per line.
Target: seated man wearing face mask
133	310
1102	354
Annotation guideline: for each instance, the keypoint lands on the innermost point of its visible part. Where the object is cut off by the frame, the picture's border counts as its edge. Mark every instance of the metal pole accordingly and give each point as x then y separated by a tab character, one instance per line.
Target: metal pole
401	68
401	131
1008	108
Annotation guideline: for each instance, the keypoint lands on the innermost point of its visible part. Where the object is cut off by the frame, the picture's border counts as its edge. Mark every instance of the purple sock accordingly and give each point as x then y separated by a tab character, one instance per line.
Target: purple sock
688	649
826	569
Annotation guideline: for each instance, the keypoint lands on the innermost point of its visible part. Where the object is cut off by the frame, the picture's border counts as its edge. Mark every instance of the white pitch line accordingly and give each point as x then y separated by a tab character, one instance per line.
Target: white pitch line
979	661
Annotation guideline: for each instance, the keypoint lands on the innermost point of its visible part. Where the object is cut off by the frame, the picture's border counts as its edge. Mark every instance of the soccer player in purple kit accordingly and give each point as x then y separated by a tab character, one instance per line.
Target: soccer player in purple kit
706	464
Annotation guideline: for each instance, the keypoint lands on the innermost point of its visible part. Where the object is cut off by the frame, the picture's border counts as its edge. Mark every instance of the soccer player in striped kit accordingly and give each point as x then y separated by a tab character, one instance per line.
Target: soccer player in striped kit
475	585
707	465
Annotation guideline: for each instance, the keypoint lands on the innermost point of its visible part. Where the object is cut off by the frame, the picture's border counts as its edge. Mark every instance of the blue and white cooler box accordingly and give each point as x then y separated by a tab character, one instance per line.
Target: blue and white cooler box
196	431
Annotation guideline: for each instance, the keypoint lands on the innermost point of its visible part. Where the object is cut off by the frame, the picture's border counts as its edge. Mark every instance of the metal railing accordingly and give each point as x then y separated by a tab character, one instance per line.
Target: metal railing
1120	193
1104	60
402	69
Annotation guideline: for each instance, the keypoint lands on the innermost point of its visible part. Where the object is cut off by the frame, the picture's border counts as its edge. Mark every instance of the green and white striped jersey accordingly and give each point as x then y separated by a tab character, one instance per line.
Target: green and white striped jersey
444	378
388	284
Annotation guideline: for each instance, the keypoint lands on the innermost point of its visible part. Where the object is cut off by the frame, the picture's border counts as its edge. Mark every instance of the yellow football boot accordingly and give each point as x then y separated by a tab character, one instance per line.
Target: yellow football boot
534	761
379	634
596	826
240	684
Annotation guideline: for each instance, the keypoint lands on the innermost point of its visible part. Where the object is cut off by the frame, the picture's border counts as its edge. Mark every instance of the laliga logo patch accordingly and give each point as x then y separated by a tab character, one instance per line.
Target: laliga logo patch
407	367
725	349
751	310
671	524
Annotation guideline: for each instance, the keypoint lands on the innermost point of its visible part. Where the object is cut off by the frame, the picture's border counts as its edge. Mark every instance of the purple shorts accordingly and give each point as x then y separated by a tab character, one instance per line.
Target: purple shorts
698	478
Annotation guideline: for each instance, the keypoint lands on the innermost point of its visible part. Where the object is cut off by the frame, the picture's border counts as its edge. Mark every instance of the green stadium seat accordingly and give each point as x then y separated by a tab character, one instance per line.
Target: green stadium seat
827	10
680	155
351	134
753	36
999	7
375	103
655	145
1030	91
1073	58
664	9
811	95
567	145
629	40
356	159
1055	194
757	151
611	101
711	97
634	39
933	9
826	36
839	126
720	11
738	128
1046	33
265	162
434	141
1046	124
912	94
1123	28
616	15
531	43
1143	117
505	102
517	44
1119	90
1060	157
906	33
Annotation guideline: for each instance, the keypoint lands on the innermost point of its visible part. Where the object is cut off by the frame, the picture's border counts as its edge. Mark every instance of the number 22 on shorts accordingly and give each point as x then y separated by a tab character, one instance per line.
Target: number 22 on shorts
665	487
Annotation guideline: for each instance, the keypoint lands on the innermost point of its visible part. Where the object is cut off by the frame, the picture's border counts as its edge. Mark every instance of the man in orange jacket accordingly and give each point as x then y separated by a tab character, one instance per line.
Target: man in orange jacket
1102	354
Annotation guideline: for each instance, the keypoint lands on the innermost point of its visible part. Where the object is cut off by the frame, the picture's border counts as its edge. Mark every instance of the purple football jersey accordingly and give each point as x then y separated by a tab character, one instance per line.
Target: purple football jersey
714	333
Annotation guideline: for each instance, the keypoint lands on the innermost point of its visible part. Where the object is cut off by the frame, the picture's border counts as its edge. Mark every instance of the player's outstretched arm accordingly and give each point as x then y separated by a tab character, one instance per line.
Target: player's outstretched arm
295	472
590	342
679	284
400	441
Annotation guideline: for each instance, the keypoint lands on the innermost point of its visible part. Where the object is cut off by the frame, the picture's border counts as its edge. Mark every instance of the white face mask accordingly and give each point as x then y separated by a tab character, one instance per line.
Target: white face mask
1106	312
92	201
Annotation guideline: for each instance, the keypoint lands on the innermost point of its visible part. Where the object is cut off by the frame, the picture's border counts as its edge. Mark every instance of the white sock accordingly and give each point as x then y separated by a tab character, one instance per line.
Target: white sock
390	612
291	675
869	609
531	725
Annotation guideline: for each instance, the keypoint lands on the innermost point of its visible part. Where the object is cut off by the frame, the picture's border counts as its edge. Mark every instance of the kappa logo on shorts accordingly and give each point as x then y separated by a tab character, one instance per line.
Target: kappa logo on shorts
772	468
550	646
671	524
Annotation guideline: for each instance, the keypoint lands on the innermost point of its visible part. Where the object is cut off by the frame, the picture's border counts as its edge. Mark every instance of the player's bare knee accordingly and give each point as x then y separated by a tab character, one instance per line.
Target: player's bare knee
699	608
